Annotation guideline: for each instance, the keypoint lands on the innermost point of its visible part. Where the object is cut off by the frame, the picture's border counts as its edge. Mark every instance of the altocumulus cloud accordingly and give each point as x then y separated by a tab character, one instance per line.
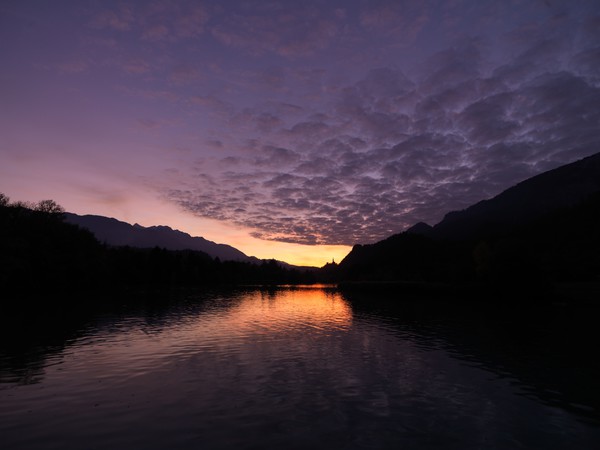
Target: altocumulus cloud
319	122
392	149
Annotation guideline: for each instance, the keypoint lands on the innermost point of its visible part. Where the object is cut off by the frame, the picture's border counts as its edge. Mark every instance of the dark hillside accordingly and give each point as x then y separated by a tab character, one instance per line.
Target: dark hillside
563	187
41	255
543	230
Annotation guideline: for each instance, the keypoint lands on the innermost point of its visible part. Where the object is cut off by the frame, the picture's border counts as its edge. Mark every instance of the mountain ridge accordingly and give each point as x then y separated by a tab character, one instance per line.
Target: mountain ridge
118	233
561	187
541	228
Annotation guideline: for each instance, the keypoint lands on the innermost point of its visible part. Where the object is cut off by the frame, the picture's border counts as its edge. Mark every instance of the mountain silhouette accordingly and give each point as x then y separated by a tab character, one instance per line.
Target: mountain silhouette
421	228
544	228
116	233
560	188
42	256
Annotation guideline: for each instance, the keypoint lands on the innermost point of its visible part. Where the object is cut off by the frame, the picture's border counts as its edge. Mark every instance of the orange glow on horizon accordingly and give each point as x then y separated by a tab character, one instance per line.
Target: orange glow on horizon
135	204
167	214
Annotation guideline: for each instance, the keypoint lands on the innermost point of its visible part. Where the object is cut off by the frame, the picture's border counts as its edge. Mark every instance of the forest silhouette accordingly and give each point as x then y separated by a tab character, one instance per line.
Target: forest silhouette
42	254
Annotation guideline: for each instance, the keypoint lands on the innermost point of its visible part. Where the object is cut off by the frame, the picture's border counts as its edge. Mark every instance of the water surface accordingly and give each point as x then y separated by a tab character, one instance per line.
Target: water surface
301	368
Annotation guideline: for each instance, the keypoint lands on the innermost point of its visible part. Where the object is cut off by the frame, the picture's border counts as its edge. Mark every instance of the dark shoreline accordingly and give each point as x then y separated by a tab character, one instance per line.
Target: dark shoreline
574	292
68	302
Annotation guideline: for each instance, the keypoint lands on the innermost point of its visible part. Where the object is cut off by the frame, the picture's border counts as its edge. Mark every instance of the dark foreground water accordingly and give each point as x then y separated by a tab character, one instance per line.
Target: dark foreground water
301	368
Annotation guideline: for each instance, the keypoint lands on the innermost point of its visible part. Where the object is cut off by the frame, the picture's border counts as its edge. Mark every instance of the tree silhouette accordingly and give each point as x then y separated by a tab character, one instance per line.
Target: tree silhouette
50	207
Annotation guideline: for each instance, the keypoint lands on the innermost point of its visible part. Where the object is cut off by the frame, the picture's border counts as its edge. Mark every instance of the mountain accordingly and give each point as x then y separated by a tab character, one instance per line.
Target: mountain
117	233
51	261
544	228
421	228
560	188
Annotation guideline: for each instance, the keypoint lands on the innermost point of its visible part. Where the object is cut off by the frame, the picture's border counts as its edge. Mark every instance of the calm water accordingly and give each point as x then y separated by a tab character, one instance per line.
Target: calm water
301	368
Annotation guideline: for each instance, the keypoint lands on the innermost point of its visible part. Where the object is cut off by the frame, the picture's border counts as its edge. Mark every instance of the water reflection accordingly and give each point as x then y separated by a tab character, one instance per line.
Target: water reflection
544	349
298	367
272	312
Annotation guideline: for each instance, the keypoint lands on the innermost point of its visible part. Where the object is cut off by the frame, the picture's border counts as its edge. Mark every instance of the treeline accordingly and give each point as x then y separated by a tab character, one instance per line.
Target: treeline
41	253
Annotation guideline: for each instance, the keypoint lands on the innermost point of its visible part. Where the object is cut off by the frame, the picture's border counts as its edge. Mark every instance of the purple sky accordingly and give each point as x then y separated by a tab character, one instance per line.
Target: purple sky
306	122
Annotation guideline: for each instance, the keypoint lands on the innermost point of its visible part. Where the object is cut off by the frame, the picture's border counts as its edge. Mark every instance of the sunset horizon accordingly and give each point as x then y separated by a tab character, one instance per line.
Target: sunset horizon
316	224
291	131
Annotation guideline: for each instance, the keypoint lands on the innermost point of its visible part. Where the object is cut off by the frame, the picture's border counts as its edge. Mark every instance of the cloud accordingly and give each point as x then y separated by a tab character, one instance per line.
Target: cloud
156	124
156	32
587	64
311	123
121	19
149	124
213	104
262	28
341	193
73	67
277	157
401	20
136	67
191	23
159	20
184	74
486	121
387	150
150	94
453	66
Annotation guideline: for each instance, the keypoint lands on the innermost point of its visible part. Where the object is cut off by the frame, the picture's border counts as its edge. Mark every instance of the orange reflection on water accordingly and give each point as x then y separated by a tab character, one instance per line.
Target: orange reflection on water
288	310
232	325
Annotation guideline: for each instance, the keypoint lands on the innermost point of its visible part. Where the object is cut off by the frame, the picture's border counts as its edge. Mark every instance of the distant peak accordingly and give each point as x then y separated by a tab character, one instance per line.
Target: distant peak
117	233
163	228
420	228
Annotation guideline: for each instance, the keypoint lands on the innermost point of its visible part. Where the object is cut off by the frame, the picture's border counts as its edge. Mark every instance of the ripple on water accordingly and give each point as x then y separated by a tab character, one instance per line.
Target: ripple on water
284	368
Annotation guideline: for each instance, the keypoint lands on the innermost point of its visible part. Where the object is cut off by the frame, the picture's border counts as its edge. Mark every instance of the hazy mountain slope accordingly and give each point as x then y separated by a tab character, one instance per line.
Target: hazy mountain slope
117	233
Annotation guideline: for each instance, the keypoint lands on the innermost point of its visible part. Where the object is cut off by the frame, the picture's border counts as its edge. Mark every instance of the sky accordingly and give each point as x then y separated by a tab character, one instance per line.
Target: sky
291	129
